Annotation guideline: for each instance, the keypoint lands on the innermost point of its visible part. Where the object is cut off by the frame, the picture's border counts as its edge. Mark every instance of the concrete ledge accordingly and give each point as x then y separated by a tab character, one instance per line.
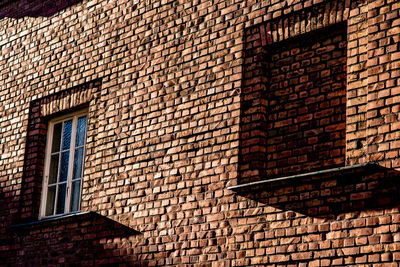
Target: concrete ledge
54	219
72	217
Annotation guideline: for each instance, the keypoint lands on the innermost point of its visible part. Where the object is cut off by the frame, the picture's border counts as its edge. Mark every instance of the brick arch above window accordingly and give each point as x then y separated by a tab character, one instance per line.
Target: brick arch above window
304	20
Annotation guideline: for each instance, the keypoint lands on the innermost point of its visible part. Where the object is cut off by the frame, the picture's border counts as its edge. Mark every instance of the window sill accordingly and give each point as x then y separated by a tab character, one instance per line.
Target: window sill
53	220
273	182
71	218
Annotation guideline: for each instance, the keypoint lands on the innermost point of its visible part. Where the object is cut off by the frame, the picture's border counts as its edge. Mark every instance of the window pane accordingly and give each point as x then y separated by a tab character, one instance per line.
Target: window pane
53	169
62	188
66	143
78	163
81	131
51	194
56	138
64	166
75	197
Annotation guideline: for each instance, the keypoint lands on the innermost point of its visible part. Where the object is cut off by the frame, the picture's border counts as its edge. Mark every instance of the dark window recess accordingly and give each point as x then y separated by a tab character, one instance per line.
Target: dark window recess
298	125
306	103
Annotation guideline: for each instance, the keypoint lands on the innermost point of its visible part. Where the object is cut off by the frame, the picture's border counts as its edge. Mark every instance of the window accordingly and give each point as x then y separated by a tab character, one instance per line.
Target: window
63	169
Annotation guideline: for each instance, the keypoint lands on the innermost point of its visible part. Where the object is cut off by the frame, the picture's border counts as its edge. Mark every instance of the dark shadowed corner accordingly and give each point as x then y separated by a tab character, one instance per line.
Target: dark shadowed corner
85	239
36	8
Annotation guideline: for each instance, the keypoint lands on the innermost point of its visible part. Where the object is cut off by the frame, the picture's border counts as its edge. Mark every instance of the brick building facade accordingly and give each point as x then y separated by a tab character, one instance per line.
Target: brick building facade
214	133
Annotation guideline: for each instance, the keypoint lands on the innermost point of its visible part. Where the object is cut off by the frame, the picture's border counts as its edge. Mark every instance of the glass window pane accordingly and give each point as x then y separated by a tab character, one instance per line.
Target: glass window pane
53	169
62	188
78	163
64	166
67	132
56	137
76	194
81	131
63	143
51	194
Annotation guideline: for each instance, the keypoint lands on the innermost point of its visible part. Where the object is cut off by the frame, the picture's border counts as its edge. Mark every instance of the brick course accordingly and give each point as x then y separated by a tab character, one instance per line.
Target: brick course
178	114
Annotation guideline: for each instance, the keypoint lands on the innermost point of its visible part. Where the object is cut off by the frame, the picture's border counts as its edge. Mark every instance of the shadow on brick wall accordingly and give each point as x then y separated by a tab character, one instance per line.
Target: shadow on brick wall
293	118
86	239
5	220
293	95
332	195
293	103
36	8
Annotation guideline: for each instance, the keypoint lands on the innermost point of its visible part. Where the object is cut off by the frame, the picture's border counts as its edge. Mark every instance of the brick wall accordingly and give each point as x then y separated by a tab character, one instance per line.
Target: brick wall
180	114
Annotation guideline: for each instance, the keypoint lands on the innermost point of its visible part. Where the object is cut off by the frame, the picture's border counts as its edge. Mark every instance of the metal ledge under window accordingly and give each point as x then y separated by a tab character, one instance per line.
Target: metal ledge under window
364	167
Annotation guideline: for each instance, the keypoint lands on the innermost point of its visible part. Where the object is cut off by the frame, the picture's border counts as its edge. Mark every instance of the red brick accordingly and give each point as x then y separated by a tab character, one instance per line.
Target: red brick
179	97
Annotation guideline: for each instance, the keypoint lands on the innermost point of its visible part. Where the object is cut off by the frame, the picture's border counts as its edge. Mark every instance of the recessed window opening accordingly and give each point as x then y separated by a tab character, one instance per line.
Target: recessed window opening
306	102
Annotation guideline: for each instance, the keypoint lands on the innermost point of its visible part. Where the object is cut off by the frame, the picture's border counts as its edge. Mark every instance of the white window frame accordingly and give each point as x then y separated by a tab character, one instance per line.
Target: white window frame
43	201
